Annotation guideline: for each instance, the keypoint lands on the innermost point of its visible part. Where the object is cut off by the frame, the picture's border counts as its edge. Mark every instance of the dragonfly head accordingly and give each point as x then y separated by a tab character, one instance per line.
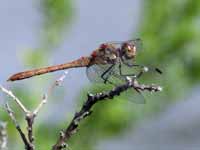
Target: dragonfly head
128	51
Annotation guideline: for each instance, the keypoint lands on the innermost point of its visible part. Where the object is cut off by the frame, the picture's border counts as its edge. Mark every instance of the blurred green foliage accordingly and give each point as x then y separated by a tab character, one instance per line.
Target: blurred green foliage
57	16
170	31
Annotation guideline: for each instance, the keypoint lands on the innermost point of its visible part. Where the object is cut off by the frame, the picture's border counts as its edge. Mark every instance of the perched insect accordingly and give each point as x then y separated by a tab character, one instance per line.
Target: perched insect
105	62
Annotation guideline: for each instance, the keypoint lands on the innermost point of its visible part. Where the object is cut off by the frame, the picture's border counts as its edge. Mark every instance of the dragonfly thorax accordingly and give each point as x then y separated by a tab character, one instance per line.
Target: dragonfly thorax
105	54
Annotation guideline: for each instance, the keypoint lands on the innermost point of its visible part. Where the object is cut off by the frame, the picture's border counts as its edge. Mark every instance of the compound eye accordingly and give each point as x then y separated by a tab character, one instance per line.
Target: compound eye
129	48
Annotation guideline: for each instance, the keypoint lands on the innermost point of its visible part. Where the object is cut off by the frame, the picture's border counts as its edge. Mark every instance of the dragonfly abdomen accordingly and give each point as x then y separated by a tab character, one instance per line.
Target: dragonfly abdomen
82	62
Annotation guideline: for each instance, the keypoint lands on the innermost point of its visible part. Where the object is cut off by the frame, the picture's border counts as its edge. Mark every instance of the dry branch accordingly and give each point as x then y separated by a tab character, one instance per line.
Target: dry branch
3	136
29	115
93	99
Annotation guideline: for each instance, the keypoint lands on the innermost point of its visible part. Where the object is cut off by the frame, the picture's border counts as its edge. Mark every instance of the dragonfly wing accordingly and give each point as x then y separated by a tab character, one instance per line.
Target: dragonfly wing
138	97
137	42
133	95
94	75
94	72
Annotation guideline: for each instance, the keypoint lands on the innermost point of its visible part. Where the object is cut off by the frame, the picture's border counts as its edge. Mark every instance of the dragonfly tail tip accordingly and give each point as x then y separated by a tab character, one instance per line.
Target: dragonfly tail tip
8	80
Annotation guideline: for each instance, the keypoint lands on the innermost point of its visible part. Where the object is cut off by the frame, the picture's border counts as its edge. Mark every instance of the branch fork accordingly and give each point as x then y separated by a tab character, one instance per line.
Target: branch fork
30	116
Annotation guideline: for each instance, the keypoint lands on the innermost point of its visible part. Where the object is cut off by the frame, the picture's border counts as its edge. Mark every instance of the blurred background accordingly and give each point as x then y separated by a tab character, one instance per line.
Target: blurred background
47	32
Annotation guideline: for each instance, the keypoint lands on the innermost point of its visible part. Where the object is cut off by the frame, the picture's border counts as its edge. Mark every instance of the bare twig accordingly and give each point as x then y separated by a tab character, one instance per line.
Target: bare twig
93	99
30	120
30	116
27	142
19	103
3	136
49	92
12	116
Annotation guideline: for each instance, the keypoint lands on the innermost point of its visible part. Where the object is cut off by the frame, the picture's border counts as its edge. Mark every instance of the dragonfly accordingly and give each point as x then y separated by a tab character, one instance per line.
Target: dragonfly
102	64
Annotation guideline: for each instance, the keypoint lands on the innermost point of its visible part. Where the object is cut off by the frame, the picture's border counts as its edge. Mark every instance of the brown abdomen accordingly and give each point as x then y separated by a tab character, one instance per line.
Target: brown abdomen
82	62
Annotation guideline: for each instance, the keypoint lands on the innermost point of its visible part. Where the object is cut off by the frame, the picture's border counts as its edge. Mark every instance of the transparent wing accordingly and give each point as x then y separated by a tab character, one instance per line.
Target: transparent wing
148	73
137	42
132	95
137	97
94	74
98	73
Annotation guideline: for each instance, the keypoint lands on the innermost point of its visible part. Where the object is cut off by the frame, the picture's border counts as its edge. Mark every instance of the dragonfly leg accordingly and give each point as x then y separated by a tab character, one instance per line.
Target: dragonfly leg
142	71
145	67
106	72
